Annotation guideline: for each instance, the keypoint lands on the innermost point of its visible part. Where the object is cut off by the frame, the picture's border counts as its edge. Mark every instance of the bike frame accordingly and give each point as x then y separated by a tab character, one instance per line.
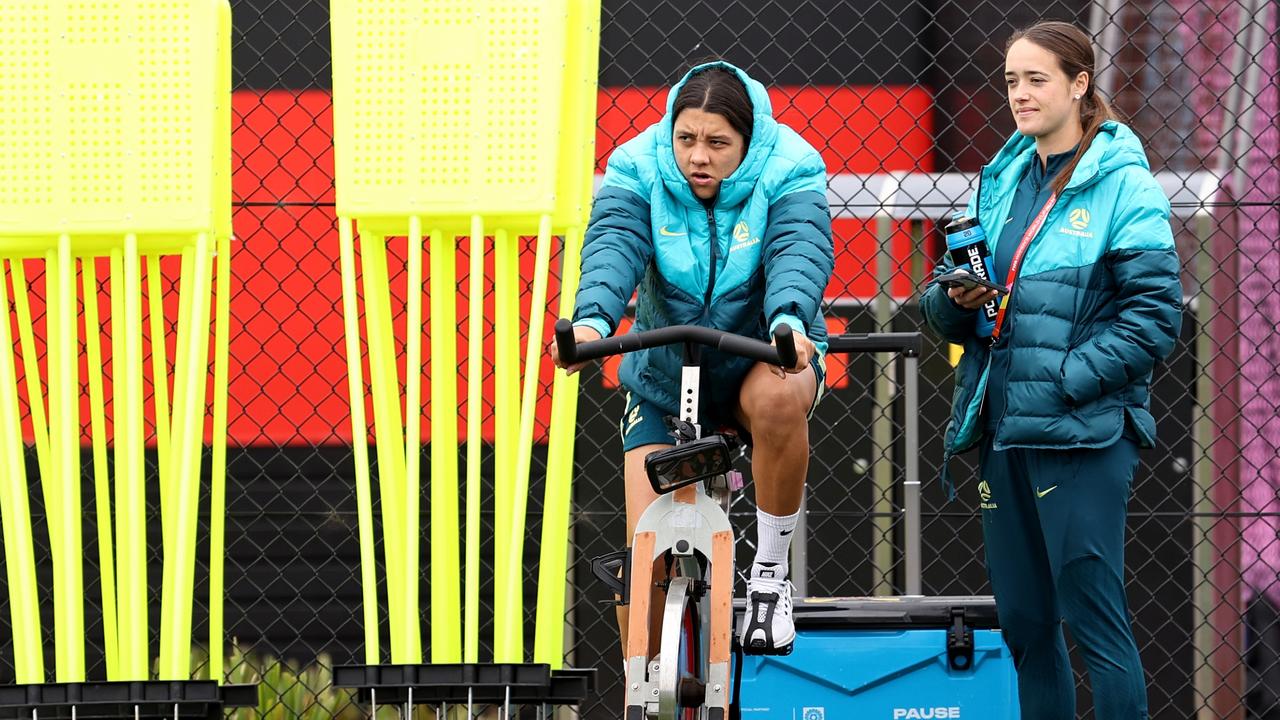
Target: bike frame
687	523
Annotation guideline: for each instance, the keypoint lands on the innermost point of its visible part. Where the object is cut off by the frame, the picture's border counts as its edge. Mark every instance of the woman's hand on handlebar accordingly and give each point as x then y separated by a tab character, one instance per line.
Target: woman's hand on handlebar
581	334
805	351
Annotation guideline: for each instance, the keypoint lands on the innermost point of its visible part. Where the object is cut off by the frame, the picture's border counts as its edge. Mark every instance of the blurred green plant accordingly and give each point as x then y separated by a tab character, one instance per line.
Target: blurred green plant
288	691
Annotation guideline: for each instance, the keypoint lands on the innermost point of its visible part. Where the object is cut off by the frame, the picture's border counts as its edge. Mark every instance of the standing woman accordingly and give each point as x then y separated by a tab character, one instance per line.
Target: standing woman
1058	401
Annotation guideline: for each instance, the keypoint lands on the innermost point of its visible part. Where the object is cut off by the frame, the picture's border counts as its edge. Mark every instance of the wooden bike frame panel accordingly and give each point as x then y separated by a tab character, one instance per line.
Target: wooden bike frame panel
641	584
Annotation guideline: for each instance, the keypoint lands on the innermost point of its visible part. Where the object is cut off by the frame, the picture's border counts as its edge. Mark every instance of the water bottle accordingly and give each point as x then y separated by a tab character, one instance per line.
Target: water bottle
967	244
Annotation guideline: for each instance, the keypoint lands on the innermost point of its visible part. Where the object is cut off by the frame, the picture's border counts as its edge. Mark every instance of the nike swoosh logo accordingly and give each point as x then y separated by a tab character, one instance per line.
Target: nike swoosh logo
786	532
1006	222
1046	492
665	232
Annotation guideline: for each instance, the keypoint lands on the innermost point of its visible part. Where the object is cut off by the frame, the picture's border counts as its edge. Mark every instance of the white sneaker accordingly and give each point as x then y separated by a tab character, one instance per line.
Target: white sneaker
767	626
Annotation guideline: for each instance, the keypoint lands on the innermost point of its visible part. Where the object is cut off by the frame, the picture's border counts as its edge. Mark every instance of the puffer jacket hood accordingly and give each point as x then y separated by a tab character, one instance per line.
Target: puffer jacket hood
764	136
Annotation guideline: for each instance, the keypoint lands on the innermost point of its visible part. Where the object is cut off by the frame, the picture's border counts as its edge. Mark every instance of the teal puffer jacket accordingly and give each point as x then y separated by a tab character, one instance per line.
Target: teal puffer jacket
1097	304
761	256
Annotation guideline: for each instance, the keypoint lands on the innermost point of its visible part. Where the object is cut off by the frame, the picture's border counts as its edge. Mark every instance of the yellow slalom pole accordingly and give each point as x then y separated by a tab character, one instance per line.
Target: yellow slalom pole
64	385
218	469
49	483
30	366
179	587
159	363
130	476
507	623
128	604
359	440
385	386
528	407
101	481
36	389
15	510
475	441
548	644
413	443
446	640
169	480
171	477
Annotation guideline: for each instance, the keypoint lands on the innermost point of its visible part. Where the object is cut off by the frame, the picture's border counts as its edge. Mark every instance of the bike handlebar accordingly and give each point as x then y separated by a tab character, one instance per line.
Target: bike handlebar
910	344
782	353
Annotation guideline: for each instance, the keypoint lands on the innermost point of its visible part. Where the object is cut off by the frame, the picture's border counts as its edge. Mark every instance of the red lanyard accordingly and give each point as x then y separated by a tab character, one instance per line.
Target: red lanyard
1012	275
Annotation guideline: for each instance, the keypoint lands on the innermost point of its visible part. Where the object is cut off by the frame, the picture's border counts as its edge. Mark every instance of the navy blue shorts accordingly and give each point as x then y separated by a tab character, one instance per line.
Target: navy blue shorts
642	421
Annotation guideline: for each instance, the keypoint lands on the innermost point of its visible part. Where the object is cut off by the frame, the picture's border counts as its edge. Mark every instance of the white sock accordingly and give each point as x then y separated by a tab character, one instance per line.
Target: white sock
773	536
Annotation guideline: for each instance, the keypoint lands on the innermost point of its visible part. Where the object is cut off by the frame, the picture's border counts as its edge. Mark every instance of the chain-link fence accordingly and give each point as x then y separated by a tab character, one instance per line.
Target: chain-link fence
904	102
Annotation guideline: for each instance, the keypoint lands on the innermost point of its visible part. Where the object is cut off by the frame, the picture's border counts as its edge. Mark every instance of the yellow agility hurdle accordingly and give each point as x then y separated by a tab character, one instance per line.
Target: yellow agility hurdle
459	119
115	146
577	161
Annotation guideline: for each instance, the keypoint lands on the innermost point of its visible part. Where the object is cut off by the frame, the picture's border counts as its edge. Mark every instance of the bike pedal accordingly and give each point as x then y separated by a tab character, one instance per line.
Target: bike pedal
614	571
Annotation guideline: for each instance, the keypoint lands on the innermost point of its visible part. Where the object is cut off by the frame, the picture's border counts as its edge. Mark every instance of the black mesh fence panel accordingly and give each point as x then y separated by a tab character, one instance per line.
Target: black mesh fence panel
903	95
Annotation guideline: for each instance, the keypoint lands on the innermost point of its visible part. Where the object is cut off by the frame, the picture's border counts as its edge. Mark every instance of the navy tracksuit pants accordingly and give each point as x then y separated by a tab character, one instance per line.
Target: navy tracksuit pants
1054	526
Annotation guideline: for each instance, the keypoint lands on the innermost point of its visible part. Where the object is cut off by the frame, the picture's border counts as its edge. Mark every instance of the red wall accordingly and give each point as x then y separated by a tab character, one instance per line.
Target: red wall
288	369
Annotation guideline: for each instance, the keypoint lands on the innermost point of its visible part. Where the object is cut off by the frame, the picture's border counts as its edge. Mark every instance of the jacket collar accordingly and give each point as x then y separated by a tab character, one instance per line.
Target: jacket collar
1115	146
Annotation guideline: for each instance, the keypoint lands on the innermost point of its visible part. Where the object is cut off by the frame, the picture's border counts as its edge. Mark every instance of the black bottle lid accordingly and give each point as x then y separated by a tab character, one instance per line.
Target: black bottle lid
961	224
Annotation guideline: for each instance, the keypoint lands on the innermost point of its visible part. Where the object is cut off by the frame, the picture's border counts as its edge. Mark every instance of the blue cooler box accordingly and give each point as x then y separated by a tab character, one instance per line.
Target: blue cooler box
912	658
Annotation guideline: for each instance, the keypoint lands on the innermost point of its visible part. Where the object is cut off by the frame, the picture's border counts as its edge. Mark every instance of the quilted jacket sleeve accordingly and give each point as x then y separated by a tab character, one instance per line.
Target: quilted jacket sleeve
948	320
798	253
616	250
1144	263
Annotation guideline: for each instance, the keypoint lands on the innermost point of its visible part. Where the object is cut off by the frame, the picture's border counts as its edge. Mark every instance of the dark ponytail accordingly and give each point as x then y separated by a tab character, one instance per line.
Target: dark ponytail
718	90
1075	55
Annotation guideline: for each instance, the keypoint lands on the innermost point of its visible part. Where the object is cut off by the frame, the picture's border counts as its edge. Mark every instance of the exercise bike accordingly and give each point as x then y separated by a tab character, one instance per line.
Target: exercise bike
683	542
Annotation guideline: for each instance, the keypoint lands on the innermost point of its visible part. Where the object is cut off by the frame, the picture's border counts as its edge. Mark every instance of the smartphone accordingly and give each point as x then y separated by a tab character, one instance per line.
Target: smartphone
969	281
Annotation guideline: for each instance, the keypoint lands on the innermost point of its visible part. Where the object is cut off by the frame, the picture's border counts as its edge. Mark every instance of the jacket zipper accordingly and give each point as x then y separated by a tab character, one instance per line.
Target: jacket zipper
1013	314
1013	307
711	284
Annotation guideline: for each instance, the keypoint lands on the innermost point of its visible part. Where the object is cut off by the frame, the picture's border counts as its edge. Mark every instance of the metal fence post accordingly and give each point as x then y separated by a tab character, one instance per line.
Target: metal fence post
911	481
883	513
